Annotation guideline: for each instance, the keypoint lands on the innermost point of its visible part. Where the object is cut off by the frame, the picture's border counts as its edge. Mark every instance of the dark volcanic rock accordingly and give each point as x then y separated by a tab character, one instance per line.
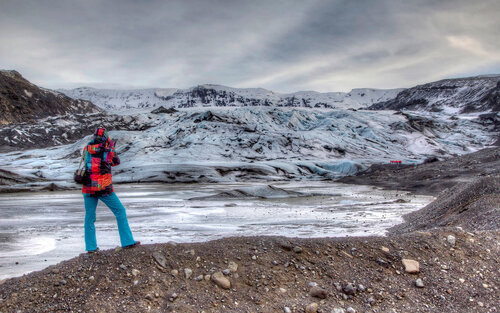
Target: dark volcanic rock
22	101
472	94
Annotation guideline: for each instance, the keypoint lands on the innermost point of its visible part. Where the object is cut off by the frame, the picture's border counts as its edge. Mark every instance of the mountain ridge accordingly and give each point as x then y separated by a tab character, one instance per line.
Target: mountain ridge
22	101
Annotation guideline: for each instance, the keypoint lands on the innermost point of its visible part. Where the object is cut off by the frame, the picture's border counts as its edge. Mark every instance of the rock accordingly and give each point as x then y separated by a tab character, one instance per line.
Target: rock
221	281
282	290
55	271
297	249
226	271
123	267
198	278
174	272
318	292
451	240
254	257
312	308
350	310
172	297
361	287
419	283
206	277
338	286
233	267
338	310
91	278
312	284
411	266
188	272
287	310
148	297
384	249
160	259
63	282
349	289
135	272
285	245
382	262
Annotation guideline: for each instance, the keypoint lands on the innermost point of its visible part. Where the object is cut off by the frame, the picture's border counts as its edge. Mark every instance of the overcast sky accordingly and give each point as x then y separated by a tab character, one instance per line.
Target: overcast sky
279	45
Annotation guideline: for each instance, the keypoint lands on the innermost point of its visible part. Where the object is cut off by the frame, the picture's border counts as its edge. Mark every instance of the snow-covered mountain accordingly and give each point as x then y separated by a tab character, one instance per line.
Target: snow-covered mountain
218	133
449	96
141	100
246	143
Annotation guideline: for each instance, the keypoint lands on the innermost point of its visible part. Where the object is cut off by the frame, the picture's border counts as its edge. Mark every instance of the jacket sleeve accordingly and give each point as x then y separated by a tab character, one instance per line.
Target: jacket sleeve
115	160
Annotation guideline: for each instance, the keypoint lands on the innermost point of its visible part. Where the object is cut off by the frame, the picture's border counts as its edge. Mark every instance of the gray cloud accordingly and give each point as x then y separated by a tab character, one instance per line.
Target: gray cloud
280	45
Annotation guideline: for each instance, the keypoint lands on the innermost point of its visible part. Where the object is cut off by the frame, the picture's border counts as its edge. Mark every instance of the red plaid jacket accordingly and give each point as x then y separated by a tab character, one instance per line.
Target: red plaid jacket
100	157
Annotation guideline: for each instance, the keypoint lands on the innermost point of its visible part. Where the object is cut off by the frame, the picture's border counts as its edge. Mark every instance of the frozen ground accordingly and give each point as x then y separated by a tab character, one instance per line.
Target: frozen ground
40	229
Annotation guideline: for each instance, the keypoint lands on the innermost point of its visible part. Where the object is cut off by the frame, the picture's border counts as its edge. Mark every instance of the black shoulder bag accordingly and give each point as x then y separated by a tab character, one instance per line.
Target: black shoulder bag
81	173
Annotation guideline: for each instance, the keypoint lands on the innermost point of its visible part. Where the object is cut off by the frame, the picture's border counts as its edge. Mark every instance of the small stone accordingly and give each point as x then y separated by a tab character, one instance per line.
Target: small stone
361	287
451	240
338	286
312	284
198	278
148	297
188	272
135	282
207	277
287	310
384	249
312	308
174	272
63	282
157	295
226	271
282	290
91	278
172	297
297	249
350	310
254	257
221	281
338	310
370	300
461	280
318	292
135	272
349	289
123	267
160	259
55	271
411	266
232	266
419	283
382	262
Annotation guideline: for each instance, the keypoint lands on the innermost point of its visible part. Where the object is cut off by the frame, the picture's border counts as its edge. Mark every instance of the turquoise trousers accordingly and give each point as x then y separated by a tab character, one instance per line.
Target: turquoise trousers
114	204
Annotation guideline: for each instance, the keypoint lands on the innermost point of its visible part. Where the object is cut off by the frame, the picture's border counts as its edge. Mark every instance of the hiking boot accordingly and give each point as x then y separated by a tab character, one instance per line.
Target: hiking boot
93	251
133	245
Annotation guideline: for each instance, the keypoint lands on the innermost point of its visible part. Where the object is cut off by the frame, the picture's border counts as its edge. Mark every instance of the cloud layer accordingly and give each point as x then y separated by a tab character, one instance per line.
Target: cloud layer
284	45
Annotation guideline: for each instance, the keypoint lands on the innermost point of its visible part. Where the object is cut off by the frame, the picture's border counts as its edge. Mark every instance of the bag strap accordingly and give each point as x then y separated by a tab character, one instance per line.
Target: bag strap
84	156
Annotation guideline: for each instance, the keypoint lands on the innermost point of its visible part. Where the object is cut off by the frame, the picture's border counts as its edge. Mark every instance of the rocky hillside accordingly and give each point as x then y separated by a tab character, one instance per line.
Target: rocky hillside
22	101
452	96
126	101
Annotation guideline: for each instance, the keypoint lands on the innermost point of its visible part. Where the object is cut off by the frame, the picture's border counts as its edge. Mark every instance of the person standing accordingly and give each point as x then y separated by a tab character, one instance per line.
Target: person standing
100	156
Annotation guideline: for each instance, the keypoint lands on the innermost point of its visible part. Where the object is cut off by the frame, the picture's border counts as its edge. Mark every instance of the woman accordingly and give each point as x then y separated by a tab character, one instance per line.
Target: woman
99	158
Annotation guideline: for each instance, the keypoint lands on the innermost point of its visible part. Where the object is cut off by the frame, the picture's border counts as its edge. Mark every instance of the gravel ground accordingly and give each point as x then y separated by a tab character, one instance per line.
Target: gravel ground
459	272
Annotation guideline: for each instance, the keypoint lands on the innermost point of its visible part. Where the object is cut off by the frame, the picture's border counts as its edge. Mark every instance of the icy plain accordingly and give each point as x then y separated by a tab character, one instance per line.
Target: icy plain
40	229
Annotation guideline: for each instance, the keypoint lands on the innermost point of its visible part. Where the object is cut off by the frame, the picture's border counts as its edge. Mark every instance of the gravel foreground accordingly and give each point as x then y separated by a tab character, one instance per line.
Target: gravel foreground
458	272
